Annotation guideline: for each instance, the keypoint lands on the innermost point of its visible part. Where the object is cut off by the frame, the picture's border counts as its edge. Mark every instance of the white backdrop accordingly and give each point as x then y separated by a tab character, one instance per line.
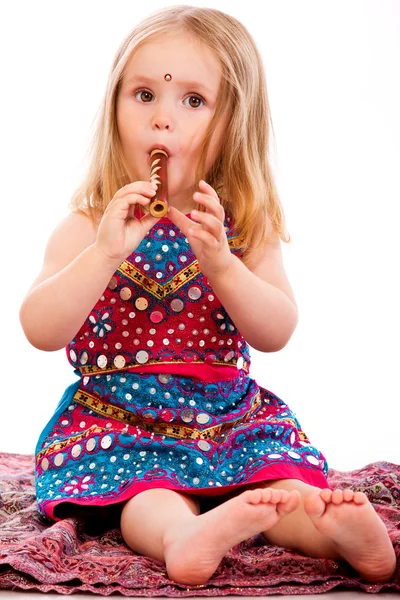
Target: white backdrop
332	72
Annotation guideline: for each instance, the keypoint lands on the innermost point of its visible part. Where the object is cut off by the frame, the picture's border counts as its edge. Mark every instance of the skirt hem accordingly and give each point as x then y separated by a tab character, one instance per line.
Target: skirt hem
311	476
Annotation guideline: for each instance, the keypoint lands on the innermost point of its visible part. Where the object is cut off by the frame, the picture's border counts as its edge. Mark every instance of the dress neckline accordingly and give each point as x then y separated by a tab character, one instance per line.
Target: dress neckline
165	219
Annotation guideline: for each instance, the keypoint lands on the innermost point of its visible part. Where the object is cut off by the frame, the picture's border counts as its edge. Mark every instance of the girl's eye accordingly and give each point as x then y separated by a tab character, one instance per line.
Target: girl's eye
197	98
149	93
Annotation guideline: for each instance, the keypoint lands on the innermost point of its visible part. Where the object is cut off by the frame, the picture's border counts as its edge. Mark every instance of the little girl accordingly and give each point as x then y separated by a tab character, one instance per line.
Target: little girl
165	422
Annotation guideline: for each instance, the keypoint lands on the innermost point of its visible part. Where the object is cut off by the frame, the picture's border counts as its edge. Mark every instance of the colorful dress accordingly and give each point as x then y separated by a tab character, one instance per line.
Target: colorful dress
164	397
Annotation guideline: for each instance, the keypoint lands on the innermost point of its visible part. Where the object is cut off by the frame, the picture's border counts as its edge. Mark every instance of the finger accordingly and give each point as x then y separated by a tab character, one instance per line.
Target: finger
133	214
128	203
208	222
137	187
135	199
206	187
210	203
179	218
148	221
204	236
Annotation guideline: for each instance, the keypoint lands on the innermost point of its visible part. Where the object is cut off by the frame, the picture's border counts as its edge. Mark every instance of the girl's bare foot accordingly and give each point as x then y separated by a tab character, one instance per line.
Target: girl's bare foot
193	549
360	535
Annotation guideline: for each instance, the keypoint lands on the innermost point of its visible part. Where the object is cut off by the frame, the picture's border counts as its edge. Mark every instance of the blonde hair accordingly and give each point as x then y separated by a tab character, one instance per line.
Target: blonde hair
241	174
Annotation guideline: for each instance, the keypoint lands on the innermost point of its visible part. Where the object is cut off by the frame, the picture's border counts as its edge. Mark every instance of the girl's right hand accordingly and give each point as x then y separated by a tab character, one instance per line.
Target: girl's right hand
120	232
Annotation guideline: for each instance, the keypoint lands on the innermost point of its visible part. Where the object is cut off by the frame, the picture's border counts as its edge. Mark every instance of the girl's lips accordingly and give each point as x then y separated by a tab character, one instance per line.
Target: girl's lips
151	158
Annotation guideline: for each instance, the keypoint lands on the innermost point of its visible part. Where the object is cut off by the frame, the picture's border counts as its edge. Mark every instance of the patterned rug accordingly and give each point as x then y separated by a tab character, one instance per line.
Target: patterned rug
82	555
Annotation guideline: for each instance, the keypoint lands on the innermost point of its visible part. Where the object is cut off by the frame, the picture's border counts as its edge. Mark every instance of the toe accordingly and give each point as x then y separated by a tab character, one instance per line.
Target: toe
266	494
348	495
284	495
273	496
314	505
360	498
337	496
289	505
279	496
326	495
253	496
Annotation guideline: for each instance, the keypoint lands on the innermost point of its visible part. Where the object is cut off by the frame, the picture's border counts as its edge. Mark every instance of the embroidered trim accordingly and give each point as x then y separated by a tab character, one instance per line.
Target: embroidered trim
162	290
107	409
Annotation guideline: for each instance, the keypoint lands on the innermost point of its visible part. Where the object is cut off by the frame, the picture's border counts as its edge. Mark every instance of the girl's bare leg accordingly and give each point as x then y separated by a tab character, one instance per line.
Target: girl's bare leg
145	517
166	525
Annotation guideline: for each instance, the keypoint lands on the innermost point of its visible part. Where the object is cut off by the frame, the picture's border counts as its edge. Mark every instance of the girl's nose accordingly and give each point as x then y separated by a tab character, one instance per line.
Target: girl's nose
162	117
161	124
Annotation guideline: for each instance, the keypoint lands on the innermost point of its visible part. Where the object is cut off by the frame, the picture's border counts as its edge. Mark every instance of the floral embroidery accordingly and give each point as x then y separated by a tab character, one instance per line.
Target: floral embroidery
77	485
102	323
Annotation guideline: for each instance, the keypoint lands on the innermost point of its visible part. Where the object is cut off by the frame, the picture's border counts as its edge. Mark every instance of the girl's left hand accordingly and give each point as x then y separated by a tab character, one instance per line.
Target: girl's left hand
206	232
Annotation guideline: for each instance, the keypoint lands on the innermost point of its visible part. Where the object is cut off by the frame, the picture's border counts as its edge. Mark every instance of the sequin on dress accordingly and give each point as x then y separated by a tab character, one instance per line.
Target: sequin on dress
164	397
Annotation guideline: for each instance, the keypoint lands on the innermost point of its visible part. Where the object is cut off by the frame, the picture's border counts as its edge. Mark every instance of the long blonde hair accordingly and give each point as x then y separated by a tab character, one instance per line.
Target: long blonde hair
241	174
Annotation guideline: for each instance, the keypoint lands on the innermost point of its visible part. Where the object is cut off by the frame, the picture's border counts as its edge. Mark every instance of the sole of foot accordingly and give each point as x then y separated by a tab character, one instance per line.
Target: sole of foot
194	548
359	534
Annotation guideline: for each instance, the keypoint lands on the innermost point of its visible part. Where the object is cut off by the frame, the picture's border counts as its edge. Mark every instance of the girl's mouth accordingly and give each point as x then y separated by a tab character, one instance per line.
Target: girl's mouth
150	159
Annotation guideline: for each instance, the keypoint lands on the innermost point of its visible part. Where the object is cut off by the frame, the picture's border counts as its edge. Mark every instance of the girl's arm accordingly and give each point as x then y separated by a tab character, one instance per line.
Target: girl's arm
265	315
74	275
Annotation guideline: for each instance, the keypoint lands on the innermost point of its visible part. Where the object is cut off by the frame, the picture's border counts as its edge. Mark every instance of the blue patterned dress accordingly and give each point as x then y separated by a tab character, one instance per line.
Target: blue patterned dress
164	396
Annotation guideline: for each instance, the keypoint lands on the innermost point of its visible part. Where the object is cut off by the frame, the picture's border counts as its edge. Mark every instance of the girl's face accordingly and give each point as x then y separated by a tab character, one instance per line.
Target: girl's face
174	113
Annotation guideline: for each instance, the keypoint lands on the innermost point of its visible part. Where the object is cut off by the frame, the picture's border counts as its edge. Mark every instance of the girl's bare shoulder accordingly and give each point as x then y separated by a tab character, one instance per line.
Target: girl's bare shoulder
73	234
76	231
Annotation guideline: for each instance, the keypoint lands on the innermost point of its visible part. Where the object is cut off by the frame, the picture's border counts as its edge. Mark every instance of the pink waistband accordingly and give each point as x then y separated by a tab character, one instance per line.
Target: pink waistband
199	371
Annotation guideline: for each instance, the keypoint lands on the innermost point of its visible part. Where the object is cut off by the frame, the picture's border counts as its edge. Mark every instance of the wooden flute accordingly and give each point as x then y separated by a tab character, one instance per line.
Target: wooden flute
159	204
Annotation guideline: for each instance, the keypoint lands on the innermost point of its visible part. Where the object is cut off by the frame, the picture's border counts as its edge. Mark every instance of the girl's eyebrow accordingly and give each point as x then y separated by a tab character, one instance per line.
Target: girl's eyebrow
149	80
